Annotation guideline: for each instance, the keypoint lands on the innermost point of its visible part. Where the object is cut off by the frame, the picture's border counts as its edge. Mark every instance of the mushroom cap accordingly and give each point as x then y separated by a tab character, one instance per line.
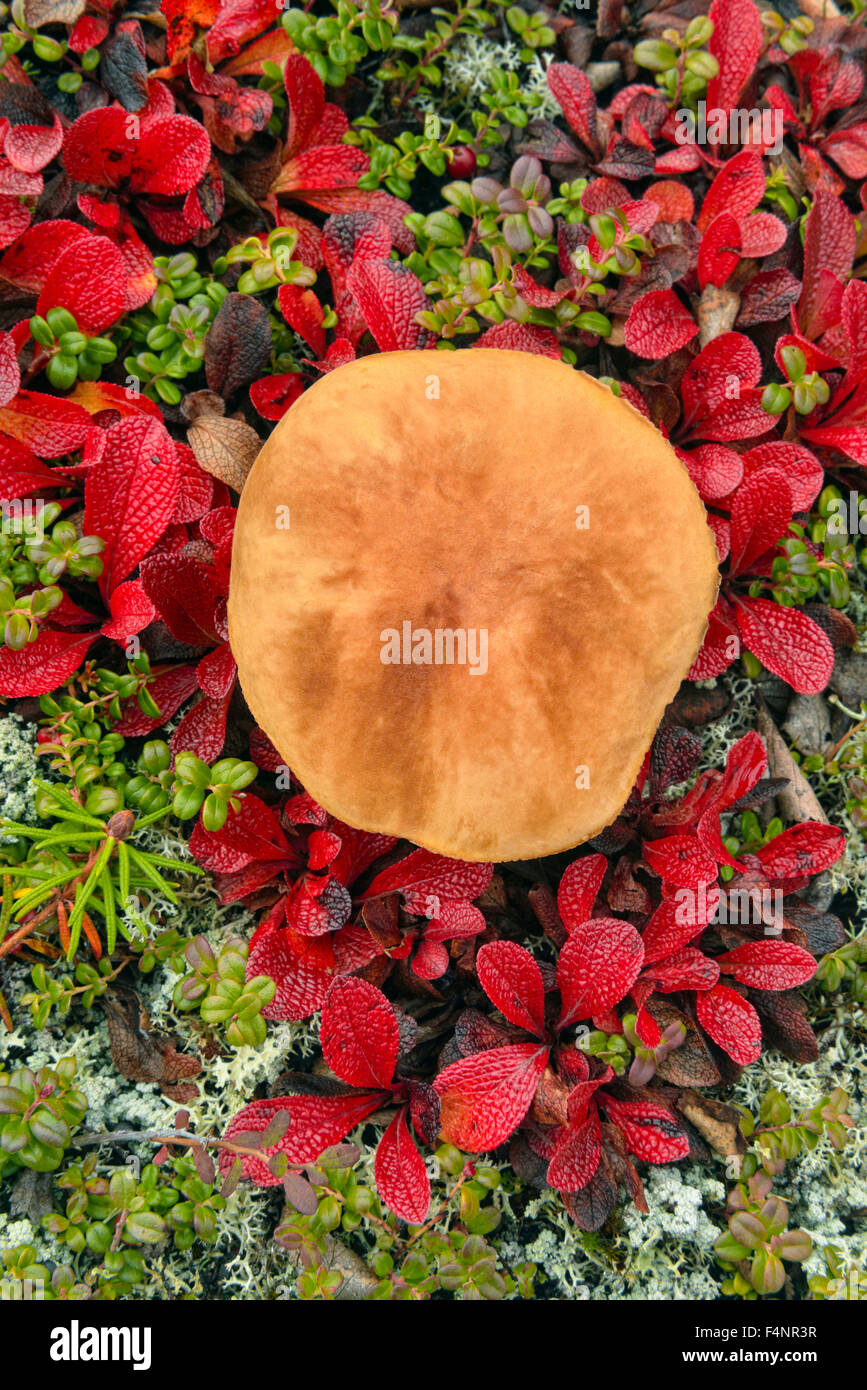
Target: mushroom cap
441	490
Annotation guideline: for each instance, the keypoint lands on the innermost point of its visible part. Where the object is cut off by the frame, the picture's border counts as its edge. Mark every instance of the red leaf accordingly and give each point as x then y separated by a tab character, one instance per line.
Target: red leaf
576	1155
520	337
321	168
10	375
571	88
303	312
185	594
651	1132
513	982
802	850
761	234
306	101
302	968
596	968
658	324
21	472
720	250
715	470
687	968
131	611
389	296
131	494
273	395
673	199
803	472
168	690
401	1176
203	729
216	672
434	874
579	889
680	859
251	835
88	279
732	1022
848	149
316	1122
172	155
359	1034
677	921
485	1097
737	189
720	648
768	964
788	643
736	43
97	147
49	425
829	248
761	512
42	665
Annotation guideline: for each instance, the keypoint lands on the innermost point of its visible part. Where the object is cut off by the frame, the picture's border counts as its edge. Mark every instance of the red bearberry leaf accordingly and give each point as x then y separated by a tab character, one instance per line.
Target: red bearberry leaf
10	375
715	470
359	1033
658	325
576	1155
251	834
674	200
42	665
88	279
579	889
302	968
720	250
761	512
131	494
829	249
676	921
788	643
433	874
680	859
306	101
761	234
768	964
315	1123
389	296
169	689
273	395
596	968
707	383
803	472
520	337
131	611
88	32
513	982
737	189
98	148
401	1176
303	312
651	1132
687	968
203	729
571	88
802	850
732	1022
49	425
486	1096
736	43
172	155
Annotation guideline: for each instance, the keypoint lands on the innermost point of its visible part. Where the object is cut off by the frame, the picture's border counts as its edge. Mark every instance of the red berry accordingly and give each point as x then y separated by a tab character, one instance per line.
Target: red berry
462	162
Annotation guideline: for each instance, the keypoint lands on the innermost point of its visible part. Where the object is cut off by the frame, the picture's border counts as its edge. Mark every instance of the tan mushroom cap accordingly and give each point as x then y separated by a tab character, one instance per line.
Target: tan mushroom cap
442	490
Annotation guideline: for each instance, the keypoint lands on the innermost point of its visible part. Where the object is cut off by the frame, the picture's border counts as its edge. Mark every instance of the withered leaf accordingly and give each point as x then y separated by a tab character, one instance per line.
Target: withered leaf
141	1054
784	1023
690	1064
123	70
824	932
40	12
226	448
719	1124
622	1167
238	344
591	1207
797	801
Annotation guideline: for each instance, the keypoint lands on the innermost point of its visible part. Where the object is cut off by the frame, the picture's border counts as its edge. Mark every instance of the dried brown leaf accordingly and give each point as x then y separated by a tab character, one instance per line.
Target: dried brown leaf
226	448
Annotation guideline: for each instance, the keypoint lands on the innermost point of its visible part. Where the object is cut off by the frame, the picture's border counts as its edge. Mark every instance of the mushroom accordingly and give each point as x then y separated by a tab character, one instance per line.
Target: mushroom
465	586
